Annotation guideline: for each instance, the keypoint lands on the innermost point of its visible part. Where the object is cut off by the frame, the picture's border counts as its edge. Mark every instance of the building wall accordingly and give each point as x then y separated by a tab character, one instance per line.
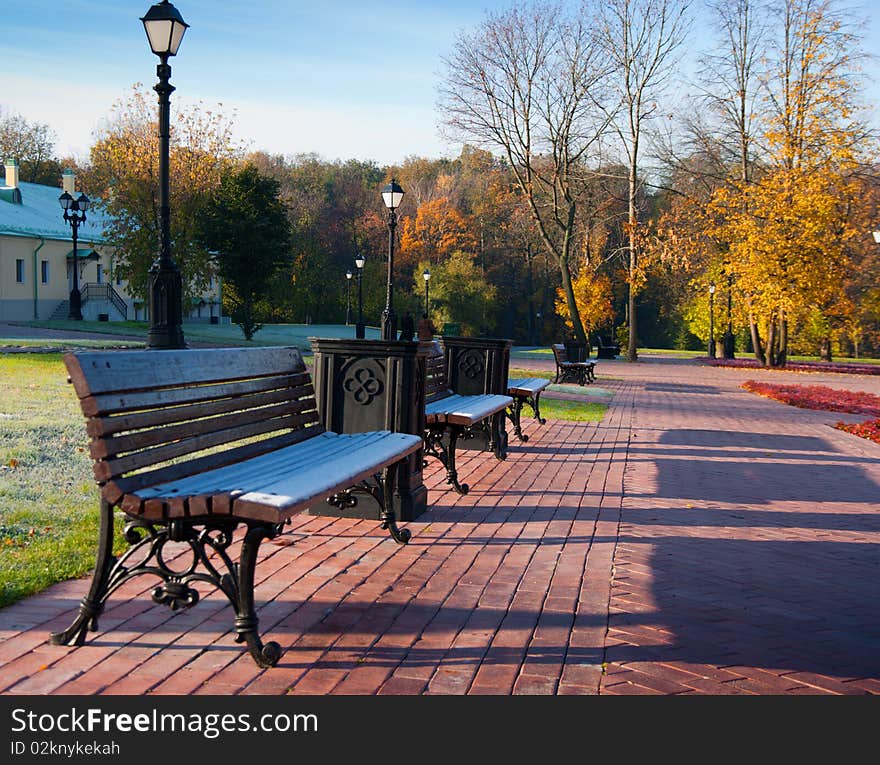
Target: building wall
18	301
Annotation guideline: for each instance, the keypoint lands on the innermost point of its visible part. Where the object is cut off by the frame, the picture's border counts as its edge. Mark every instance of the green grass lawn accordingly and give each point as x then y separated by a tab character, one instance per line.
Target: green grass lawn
48	497
217	334
576	411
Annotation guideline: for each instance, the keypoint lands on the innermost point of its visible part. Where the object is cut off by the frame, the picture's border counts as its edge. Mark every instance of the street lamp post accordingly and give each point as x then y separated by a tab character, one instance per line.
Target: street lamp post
426	275
711	321
727	348
348	275
392	195
359	328
165	28
74	213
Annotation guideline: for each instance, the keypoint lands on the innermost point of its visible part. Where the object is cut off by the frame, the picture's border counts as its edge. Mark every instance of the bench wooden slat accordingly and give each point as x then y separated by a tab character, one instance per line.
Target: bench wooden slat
109	446
155	408
106	372
106	469
211	489
259	471
527	386
468	410
276	485
116	488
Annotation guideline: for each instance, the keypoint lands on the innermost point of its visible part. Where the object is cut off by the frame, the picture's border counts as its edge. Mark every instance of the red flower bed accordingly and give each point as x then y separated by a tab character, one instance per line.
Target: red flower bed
797	366
818	397
869	429
826	399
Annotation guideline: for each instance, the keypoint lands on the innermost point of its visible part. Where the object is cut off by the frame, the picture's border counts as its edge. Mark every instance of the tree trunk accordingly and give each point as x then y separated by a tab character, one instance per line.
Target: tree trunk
757	346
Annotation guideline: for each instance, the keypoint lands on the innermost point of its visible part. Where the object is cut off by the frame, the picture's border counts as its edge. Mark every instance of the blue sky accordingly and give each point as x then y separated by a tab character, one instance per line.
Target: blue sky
340	78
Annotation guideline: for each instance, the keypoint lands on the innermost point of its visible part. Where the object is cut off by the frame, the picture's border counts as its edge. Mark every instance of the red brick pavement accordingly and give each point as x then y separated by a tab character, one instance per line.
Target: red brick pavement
700	540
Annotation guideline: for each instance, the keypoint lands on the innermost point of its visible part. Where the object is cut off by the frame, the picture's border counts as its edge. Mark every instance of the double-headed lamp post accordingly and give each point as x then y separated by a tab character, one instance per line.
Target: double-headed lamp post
165	28
711	321
74	213
426	275
392	195
348	276
728	342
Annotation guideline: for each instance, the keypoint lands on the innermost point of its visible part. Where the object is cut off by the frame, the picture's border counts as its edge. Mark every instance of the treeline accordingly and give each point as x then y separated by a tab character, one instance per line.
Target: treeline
578	205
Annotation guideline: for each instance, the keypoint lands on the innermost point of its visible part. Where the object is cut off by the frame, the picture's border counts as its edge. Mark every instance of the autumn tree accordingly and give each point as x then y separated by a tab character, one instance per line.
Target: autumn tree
123	174
436	230
641	39
32	144
526	83
789	227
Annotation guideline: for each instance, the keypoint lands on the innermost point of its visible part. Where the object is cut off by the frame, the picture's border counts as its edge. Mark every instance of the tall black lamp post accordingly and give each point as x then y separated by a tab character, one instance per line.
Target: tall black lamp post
392	195
165	28
359	327
348	276
728	343
426	275
711	321
74	213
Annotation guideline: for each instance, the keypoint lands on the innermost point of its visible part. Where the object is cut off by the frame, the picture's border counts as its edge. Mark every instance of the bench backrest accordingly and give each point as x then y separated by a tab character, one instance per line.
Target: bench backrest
436	384
146	410
559	353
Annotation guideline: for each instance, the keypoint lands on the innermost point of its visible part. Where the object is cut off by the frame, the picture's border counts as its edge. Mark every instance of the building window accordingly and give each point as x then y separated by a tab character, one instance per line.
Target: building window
19	270
44	271
99	273
118	276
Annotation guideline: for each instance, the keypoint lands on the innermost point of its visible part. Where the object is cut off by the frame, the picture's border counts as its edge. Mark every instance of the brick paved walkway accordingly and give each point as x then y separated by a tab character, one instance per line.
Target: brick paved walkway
699	540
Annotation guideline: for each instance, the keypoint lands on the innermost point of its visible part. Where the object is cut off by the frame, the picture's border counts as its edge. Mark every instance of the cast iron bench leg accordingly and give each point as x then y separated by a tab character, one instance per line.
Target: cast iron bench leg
451	472
534	402
93	604
389	521
246	622
498	436
514	413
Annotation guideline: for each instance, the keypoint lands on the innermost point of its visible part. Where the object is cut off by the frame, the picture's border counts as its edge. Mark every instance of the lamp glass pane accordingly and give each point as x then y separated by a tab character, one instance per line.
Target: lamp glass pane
159	35
426	275
877	237
359	262
66	201
177	31
83	202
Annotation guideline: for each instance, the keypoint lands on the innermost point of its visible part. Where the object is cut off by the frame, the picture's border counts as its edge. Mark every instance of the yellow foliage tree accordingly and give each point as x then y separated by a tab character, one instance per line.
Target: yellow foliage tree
592	293
123	172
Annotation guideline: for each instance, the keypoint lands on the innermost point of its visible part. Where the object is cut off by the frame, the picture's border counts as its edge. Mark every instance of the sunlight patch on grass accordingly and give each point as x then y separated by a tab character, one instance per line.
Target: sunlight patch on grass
48	497
575	411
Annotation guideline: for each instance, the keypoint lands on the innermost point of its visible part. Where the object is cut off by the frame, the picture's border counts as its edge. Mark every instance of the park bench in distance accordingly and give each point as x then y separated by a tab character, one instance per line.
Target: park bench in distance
581	371
192	444
606	348
449	416
525	391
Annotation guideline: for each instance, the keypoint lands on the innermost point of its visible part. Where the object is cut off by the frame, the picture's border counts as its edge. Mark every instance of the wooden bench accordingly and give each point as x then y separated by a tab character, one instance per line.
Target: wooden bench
192	444
450	416
581	372
606	348
525	391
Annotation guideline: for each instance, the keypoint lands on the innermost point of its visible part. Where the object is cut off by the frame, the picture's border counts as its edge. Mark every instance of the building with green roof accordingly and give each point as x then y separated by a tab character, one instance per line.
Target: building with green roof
36	258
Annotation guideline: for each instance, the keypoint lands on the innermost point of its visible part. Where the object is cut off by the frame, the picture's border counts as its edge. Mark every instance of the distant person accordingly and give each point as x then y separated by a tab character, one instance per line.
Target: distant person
407	328
426	329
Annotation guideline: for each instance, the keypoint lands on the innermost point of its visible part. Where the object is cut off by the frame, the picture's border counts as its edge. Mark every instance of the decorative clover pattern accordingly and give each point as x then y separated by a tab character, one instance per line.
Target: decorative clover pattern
471	365
363	385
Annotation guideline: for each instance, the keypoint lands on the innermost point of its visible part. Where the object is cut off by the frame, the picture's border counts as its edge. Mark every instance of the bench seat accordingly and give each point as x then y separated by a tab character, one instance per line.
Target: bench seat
525	391
465	410
275	486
